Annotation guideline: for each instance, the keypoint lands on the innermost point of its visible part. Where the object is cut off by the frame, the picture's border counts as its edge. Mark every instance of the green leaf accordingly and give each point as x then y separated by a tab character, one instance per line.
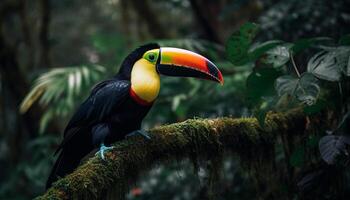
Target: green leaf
238	47
249	30
297	157
260	83
308	89
286	85
238	44
329	65
279	55
305	88
261	49
237	50
345	40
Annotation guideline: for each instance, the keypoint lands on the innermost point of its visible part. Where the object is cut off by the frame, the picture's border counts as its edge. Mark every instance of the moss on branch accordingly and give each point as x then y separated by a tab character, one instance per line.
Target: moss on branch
194	138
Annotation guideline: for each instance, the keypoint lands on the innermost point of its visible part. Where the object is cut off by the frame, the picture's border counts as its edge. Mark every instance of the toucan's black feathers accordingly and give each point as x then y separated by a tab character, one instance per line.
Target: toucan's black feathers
107	115
103	100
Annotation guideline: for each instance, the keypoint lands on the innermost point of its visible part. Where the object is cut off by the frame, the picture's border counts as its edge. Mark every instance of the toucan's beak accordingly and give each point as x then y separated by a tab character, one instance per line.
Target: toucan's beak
184	63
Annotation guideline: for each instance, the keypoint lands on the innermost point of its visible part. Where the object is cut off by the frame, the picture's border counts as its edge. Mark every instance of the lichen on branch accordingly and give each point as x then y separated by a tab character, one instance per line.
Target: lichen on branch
195	138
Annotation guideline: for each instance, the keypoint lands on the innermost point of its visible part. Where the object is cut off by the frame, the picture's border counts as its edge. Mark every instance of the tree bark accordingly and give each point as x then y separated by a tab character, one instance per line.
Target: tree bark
204	138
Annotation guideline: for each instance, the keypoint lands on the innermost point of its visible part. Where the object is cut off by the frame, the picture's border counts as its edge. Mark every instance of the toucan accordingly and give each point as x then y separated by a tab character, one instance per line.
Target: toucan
116	107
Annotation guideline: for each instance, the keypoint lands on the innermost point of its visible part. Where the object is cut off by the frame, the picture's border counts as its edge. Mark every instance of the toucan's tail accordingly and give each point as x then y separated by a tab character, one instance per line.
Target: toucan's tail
65	164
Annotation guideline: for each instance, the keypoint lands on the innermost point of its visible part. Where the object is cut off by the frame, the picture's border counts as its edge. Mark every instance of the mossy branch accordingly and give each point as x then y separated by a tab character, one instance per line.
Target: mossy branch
204	138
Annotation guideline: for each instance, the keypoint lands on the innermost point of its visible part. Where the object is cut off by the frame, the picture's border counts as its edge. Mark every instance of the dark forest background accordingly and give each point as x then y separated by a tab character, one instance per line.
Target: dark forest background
78	43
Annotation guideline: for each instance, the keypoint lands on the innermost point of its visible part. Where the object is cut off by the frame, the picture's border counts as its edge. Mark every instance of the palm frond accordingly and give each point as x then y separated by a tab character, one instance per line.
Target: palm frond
59	89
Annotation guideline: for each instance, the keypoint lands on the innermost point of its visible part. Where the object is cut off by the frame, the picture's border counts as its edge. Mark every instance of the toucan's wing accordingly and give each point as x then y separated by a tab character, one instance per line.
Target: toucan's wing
103	100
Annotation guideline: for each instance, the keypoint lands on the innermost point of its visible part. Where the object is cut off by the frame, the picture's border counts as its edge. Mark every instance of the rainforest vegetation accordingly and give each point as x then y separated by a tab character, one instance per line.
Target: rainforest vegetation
278	128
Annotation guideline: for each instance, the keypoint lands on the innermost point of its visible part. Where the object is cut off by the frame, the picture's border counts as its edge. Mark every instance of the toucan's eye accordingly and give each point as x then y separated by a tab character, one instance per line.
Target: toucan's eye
151	57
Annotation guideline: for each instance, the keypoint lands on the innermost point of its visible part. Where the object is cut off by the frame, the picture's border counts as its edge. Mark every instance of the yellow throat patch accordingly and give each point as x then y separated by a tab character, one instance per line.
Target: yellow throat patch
145	81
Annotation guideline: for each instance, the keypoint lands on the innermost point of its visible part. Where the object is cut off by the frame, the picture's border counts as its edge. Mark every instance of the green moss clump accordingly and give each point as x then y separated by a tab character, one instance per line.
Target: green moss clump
197	139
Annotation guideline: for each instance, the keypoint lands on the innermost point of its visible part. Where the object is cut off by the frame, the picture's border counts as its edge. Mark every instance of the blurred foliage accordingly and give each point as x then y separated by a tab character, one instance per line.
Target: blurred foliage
33	169
295	19
235	183
287	86
257	63
60	89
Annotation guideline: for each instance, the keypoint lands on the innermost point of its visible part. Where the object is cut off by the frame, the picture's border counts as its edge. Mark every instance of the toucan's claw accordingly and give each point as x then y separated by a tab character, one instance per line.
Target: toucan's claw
102	150
139	132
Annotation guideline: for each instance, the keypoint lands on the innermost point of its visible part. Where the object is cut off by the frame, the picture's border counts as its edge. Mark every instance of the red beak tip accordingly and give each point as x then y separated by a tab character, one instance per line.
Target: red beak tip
221	79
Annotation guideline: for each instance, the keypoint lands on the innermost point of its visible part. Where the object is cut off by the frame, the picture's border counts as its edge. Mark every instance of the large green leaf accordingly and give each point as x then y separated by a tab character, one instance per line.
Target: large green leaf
249	30
330	64
259	50
286	85
305	88
239	43
237	50
239	46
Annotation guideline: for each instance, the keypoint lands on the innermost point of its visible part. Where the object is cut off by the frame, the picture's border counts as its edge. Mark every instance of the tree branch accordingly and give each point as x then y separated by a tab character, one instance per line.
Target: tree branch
206	138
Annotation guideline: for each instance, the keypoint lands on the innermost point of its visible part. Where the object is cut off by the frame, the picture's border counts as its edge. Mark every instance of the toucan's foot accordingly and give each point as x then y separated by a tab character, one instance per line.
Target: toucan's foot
139	132
102	150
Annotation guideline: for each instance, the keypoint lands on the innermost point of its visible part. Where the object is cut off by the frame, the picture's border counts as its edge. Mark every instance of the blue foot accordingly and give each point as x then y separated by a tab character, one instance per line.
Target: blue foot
139	132
102	150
